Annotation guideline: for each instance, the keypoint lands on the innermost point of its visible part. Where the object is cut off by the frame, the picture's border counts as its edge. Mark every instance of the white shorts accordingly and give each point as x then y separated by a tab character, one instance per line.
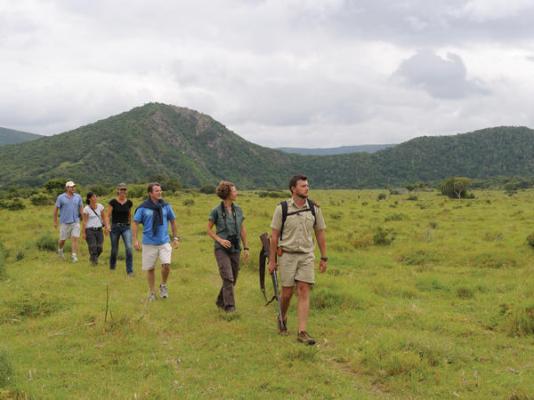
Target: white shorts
66	231
151	253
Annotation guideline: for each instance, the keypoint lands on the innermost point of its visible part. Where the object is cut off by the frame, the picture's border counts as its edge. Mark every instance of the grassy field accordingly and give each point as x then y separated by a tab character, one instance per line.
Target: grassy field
425	298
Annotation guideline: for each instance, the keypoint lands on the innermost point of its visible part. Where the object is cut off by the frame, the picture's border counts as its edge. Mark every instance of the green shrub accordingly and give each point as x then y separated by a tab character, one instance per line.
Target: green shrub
6	371
207	189
383	237
189	202
520	321
100	190
382	196
13	204
493	260
47	243
395	217
332	298
530	240
412	197
273	194
465	293
41	199
418	257
137	191
20	255
455	187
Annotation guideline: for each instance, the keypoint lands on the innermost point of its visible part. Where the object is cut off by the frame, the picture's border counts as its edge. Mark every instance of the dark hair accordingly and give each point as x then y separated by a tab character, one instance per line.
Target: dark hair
294	179
88	197
224	188
151	186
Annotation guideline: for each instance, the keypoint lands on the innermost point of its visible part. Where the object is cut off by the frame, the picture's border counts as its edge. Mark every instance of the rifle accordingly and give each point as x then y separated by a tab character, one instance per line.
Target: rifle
264	255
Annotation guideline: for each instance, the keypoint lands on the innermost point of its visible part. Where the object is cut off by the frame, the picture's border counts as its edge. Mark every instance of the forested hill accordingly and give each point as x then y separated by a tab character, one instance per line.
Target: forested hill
164	140
11	136
152	140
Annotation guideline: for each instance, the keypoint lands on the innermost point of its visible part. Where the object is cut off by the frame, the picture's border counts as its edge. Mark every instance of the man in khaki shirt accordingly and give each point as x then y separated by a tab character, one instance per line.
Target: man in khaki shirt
293	243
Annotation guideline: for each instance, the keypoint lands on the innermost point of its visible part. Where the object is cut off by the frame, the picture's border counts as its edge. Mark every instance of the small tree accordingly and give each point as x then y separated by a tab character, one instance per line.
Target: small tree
455	187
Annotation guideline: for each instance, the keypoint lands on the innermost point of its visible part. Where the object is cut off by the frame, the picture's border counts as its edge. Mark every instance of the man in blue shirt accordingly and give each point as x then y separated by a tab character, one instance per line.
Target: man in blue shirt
70	207
155	214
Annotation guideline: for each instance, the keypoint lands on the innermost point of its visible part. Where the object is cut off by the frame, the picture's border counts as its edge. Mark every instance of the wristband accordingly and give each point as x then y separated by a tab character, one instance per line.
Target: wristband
324	258
176	238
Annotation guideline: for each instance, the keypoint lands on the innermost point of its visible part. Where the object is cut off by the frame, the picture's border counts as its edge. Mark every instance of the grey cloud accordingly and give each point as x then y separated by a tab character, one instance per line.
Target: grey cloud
440	77
422	22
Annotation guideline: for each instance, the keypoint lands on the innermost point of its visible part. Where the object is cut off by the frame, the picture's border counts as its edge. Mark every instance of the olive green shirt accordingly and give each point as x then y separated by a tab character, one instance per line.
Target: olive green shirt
232	226
298	228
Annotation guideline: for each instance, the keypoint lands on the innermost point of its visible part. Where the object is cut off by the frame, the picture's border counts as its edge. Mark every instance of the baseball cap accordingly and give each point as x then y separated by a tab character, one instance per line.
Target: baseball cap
69	184
122	186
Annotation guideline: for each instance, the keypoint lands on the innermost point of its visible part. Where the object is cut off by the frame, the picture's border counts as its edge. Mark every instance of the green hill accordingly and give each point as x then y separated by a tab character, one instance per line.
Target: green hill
154	139
330	151
164	140
11	136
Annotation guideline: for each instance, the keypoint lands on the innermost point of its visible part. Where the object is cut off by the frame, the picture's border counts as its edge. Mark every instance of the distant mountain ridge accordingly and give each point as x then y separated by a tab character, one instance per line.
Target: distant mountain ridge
163	140
12	136
330	151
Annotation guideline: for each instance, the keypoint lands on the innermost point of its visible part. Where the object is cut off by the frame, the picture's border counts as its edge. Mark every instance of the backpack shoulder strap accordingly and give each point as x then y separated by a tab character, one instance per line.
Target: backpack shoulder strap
284	206
312	206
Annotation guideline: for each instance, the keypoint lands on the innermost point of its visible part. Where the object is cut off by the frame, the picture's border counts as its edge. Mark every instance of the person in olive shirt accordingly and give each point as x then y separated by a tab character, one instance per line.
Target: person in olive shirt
292	242
230	231
119	213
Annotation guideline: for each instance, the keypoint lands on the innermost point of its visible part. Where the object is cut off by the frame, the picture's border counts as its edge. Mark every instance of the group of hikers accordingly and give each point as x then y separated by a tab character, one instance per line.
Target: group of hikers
294	224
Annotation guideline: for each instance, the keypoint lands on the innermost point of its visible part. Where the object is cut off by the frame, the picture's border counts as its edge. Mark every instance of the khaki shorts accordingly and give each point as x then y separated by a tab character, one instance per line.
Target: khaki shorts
296	267
151	253
66	231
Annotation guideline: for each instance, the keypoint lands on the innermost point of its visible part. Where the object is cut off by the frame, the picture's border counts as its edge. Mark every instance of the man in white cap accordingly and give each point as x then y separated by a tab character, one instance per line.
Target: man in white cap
70	207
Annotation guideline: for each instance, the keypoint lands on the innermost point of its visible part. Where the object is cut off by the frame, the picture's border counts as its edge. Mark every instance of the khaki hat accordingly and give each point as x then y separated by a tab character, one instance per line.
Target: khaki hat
122	186
70	184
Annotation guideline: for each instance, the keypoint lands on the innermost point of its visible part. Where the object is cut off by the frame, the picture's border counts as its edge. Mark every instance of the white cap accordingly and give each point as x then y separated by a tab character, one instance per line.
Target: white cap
70	184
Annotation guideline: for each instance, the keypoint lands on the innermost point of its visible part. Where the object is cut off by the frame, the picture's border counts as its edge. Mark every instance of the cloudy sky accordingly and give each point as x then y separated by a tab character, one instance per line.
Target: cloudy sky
308	73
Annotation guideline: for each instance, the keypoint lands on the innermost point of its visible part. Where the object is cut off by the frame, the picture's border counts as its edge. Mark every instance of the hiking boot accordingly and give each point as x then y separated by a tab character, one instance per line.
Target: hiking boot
151	297
130	274
61	254
304	337
229	309
163	291
282	328
74	258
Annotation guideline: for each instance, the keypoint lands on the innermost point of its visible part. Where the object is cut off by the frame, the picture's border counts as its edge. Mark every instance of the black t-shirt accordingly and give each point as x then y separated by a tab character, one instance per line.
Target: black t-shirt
120	212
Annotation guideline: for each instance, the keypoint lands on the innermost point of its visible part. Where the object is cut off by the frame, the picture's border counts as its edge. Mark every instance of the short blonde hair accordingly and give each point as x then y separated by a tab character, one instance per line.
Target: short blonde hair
224	188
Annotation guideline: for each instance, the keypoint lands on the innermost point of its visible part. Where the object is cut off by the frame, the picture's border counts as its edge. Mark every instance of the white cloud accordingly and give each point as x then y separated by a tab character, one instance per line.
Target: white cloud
276	72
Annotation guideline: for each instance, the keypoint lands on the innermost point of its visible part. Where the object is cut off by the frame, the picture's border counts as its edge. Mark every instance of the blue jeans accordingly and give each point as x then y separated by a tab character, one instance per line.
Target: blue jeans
118	230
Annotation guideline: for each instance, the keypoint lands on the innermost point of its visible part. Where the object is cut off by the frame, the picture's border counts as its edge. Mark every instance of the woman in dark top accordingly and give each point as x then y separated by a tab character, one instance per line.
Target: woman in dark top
230	231
120	214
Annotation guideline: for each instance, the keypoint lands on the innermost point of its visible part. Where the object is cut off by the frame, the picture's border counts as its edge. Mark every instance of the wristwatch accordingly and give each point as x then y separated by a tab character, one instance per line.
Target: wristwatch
324	258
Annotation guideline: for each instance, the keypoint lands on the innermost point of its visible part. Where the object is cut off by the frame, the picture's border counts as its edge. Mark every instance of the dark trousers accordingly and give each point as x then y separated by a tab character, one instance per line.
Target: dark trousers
95	240
118	231
228	269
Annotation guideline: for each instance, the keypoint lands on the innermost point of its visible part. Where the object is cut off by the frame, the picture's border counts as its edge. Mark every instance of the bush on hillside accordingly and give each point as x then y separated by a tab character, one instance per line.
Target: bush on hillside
207	189
41	199
47	243
12	205
455	187
520	321
382	196
383	237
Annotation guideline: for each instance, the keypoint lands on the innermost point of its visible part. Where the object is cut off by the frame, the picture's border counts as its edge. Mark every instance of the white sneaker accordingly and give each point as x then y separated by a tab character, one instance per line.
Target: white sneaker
61	254
74	258
151	297
163	291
